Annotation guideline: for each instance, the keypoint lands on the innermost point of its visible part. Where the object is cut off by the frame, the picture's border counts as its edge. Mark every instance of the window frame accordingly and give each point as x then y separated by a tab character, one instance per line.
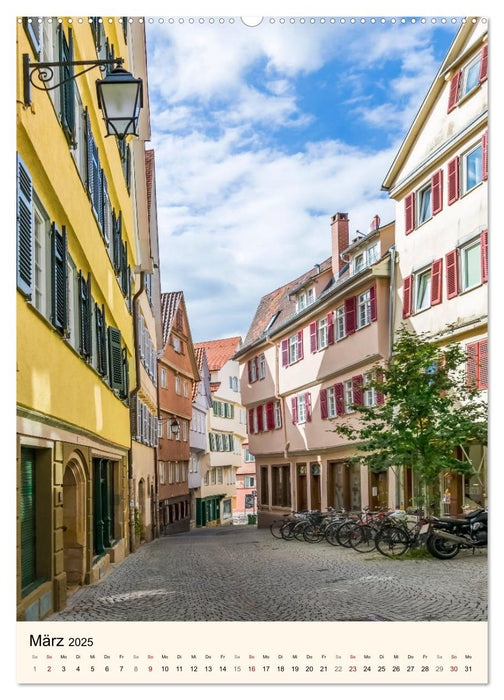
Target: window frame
363	305
348	396
419	196
463	165
463	91
420	274
293	349
462	249
322	333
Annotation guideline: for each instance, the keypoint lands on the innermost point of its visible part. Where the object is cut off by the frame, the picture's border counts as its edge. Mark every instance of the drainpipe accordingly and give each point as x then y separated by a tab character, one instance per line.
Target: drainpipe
392	289
131	482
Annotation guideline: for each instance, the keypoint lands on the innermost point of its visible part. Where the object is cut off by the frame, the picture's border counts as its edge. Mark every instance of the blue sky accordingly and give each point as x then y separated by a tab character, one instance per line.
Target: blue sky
261	134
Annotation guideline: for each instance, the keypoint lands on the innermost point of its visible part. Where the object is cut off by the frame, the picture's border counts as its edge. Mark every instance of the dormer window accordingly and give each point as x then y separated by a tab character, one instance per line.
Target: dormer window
305	298
365	258
359	262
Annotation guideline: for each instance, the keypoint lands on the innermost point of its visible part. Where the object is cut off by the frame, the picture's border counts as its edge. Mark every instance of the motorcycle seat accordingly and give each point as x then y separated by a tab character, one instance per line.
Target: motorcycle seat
452	521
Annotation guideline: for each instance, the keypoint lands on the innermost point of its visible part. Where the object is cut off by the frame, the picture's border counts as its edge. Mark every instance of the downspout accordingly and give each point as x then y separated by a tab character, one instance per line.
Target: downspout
131	483
392	289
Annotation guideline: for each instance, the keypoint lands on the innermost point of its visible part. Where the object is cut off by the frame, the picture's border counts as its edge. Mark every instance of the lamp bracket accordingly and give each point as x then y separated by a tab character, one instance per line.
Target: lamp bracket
44	72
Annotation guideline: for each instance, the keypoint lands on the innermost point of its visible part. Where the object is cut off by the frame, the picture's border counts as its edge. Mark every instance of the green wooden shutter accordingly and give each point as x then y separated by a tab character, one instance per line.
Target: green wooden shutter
24	225
101	340
117	242
124	269
115	359
67	89
85	315
59	278
28	521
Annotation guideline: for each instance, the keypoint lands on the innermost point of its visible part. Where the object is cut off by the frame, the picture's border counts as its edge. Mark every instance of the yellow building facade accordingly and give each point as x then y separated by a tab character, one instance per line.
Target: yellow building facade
77	250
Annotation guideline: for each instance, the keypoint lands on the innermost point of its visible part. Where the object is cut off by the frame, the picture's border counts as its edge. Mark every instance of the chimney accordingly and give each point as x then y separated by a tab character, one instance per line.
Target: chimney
375	224
340	240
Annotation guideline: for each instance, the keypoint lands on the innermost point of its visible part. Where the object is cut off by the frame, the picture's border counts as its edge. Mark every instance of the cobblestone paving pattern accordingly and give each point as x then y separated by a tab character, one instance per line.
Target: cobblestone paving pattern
242	573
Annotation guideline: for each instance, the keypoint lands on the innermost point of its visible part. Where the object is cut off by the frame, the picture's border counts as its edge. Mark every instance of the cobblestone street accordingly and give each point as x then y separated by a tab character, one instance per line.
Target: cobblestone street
241	573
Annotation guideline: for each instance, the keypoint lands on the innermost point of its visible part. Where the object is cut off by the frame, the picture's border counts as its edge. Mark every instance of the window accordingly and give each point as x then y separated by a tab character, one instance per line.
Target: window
470	76
364	309
472	172
79	146
248	457
359	262
177	385
340	322
163	378
277	414
185	388
162	475
423	290
184	430
348	396
207	478
301	402
305	298
213	479
72	306
219	475
249	482
373	253
322	333
293	349
262	366
470	263
253	369
331	402
369	391
41	281
424	208
176	344
177	472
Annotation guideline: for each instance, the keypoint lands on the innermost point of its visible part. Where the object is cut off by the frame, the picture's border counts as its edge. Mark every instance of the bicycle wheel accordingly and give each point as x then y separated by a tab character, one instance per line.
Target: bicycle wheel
330	534
362	539
343	534
276	528
287	530
392	542
312	533
299	529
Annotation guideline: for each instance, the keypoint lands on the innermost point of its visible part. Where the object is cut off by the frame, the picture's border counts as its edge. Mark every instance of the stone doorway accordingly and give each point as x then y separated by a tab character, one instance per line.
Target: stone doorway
74	523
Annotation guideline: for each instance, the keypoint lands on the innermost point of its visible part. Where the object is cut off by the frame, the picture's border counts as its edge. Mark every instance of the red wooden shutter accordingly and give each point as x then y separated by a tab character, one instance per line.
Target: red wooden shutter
330	328
294	410
484	255
380	398
483	74
436	281
484	156
473	365
350	314
483	365
256	362
300	345
313	337
453	180
249	366
323	404
251	420
437	191
270	416
454	90
406	308
308	406
285	353
372	303
357	390
409	212
340	398
451	274
260	420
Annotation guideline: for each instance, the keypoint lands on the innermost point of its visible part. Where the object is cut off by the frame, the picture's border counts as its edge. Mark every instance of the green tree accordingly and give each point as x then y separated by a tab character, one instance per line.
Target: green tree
428	410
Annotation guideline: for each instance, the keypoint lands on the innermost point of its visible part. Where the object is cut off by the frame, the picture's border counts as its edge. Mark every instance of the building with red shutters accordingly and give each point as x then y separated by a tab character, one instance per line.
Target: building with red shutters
306	360
177	372
439	180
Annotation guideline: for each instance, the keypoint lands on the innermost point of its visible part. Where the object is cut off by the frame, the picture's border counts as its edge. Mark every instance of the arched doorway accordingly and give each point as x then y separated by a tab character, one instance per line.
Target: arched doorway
141	509
74	523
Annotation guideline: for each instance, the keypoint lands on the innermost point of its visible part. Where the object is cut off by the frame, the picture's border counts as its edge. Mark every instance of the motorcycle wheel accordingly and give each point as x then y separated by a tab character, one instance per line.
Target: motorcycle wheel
441	548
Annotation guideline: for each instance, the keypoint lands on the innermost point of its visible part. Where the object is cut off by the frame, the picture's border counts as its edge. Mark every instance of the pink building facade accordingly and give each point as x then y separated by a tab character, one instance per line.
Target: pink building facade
305	363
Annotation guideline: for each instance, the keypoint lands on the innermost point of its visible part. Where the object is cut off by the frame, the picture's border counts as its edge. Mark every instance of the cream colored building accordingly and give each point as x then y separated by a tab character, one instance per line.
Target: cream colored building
226	430
439	182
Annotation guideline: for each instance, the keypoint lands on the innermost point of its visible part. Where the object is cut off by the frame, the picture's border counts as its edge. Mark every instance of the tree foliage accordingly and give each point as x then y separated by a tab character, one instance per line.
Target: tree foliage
428	411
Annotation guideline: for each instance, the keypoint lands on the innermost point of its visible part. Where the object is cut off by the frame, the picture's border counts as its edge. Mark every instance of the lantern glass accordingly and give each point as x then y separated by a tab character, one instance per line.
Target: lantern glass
120	98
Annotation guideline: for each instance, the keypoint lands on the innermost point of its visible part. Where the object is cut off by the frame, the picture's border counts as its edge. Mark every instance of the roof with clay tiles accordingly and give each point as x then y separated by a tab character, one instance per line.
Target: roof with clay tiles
219	351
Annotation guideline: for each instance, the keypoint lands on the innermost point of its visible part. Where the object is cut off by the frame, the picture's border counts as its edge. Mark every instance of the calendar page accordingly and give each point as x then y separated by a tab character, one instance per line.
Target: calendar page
252	280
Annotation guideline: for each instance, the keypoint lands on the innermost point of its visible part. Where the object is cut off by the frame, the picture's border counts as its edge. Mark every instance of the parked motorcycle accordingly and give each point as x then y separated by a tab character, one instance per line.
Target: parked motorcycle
445	537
